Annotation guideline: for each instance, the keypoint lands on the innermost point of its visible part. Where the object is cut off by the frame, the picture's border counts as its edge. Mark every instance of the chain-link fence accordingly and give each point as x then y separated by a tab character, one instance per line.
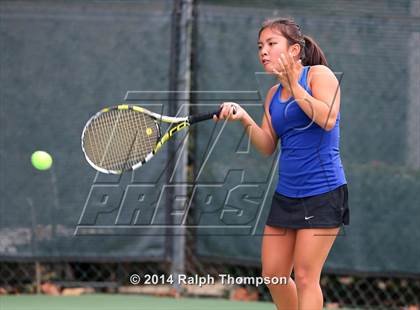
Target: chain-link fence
358	291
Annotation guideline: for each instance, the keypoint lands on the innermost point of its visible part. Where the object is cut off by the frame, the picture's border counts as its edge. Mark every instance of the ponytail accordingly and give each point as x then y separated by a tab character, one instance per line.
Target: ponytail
313	55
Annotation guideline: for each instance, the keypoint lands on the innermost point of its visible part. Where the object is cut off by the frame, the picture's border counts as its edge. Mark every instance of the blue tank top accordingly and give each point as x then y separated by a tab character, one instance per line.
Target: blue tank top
309	161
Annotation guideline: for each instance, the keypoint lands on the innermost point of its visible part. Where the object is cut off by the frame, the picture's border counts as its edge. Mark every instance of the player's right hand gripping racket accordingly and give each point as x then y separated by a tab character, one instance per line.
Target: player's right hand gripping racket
124	137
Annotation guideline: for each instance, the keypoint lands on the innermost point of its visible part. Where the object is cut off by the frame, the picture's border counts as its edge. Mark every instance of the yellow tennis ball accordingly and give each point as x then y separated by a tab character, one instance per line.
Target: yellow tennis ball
41	160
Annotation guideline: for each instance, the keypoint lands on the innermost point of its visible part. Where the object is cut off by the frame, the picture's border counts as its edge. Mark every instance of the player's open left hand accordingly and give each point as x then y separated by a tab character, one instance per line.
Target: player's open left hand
287	70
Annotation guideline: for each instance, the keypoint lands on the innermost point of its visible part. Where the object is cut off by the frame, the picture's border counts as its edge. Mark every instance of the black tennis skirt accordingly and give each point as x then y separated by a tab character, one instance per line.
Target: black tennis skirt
326	210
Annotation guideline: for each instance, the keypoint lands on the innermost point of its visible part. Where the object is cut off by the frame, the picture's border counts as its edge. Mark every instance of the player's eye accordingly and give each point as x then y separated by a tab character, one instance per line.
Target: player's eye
272	43
259	47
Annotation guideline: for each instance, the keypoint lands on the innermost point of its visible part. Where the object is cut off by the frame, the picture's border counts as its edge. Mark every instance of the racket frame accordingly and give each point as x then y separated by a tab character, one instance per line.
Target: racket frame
179	123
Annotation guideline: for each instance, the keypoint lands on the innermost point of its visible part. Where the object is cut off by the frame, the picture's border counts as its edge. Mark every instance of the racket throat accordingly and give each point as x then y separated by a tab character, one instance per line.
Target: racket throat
169	134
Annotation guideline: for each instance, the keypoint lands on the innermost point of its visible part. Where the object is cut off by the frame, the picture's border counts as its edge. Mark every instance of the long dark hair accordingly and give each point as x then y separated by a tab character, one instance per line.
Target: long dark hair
310	53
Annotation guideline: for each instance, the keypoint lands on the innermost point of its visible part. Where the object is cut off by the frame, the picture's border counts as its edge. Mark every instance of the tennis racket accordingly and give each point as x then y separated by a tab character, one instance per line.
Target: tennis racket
125	137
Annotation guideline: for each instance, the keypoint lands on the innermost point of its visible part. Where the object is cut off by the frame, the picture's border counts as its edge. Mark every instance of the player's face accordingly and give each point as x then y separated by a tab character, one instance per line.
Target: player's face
271	45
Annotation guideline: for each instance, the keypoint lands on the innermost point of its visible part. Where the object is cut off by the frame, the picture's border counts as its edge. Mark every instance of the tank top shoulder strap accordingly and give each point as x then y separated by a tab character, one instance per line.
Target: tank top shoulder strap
275	95
304	79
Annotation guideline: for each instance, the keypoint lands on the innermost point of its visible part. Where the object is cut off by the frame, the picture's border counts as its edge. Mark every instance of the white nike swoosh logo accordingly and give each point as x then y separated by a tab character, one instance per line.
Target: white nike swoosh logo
309	217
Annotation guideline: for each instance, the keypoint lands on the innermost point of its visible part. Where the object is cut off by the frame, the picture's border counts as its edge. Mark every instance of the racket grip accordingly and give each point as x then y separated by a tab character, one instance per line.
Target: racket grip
202	117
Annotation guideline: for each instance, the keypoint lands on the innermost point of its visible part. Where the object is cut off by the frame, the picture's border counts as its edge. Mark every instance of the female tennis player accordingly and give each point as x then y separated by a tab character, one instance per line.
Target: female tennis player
310	201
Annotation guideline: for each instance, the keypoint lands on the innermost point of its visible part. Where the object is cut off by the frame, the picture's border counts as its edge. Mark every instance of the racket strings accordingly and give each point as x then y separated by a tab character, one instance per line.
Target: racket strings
139	149
109	148
149	143
118	139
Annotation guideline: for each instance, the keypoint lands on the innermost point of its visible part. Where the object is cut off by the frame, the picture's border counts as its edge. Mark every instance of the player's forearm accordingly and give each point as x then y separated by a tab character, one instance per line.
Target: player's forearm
262	141
317	110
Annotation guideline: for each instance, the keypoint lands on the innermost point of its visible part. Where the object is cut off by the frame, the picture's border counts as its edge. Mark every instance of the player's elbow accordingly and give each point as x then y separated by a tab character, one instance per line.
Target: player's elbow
265	144
329	126
332	121
267	151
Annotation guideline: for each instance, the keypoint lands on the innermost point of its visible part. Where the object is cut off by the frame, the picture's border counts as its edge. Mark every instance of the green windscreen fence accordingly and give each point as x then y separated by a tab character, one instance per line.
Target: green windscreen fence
61	62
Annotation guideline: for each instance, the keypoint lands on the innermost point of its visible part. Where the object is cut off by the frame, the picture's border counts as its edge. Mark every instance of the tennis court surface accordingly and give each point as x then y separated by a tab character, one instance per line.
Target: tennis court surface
124	302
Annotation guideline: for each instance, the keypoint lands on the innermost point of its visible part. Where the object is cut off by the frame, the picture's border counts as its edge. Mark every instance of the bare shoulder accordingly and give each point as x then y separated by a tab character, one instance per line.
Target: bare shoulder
270	95
320	69
272	90
321	73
